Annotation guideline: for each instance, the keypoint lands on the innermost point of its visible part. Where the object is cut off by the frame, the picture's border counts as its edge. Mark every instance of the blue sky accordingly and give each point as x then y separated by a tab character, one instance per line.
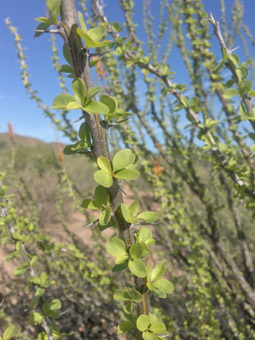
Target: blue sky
15	105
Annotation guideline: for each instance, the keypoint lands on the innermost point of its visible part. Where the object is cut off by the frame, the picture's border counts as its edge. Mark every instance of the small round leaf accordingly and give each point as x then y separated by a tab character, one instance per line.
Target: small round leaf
122	159
143	322
137	267
115	247
148	216
102	178
104	164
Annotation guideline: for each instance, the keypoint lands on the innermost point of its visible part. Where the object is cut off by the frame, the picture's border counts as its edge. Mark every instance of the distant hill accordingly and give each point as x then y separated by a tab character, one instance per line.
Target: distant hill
19	140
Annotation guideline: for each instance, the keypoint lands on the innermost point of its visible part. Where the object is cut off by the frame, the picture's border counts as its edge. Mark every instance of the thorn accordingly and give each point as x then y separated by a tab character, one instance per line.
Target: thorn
91	224
234	49
77	120
47	31
2	302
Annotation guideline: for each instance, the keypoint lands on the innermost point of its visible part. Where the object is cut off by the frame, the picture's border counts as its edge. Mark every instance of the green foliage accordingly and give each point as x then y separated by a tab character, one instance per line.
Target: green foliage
201	179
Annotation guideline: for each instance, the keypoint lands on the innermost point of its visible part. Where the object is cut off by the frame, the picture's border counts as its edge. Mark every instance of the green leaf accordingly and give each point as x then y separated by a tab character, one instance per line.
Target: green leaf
94	62
137	267
84	133
157	272
137	296
42	336
80	147
115	246
158	328
36	318
149	336
134	208
104	164
121	295
125	212
102	178
21	269
9	333
153	318
78	88
127	174
73	106
122	159
155	290
91	204
67	55
54	305
89	42
136	250
120	267
42	27
116	27
96	33
96	108
66	69
235	59
144	234
229	93
101	195
148	216
110	102
124	327
143	322
122	258
105	216
54	9
164	285
61	101
92	92
82	22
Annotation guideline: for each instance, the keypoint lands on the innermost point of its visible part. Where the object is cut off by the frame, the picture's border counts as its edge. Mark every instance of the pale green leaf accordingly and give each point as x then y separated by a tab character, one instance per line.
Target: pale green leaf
105	216
148	216
164	285
61	101
78	88
96	33
115	246
149	336
125	212
229	93
137	267
96	108
73	106
127	174
143	322
9	333
102	178
122	159
36	318
104	164
158	328
110	102
82	22
134	208
91	204
136	250
158	272
144	234
92	92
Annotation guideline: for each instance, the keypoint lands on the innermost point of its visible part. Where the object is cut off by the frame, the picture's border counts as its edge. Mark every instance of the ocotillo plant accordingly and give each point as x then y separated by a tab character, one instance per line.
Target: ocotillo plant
131	247
203	134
